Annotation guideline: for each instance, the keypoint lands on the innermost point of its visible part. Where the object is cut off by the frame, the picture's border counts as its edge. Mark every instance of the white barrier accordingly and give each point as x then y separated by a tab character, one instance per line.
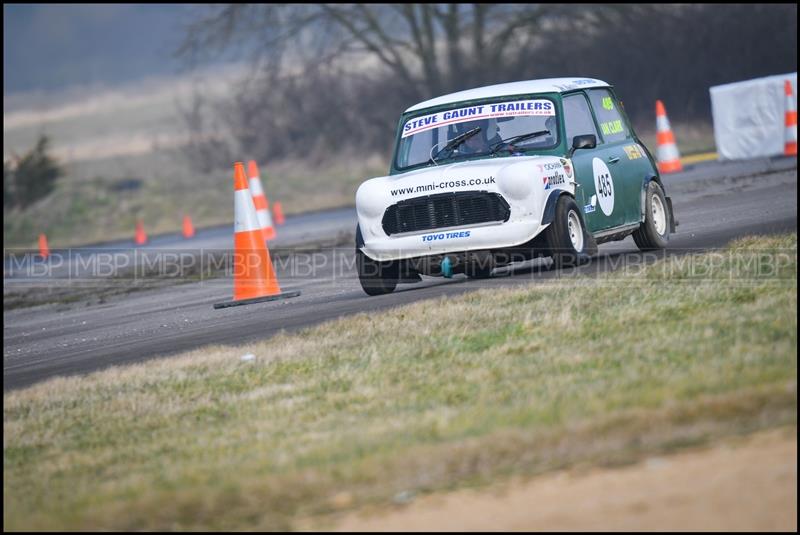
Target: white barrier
749	116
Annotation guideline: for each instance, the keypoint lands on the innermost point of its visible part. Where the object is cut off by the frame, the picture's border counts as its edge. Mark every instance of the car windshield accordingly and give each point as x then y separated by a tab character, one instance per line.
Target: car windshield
426	138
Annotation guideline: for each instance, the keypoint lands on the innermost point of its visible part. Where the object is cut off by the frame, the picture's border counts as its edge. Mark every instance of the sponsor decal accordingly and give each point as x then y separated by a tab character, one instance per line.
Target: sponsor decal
444	184
612	127
519	108
633	152
549	166
588	209
446	236
567	167
575	83
553	180
604	185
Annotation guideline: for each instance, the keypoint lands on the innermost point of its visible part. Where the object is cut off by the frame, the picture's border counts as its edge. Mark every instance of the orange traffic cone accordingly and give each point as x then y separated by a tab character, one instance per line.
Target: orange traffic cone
254	279
279	219
141	236
188	228
790	122
260	201
669	160
44	250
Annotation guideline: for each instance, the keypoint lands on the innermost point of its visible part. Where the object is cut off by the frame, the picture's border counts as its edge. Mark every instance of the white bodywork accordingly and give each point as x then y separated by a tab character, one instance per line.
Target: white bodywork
547	85
520	180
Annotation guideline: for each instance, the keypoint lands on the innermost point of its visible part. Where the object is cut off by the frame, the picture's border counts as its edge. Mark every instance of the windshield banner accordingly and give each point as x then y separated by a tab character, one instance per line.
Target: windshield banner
484	111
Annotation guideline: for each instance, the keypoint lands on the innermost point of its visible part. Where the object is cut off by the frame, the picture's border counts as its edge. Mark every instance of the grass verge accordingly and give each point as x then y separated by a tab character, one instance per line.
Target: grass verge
101	200
691	138
428	396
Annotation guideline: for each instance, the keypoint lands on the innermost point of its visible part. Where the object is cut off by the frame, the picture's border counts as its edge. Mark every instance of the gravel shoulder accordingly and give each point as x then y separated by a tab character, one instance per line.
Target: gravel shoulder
739	484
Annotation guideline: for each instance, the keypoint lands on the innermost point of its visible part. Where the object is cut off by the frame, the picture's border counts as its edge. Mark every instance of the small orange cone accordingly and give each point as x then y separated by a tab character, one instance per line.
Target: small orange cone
279	220
790	122
260	200
254	279
188	228
44	250
669	160
141	236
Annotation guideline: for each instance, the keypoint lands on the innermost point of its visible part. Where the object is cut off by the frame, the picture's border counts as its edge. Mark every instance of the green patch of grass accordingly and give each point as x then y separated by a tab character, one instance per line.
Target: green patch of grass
428	396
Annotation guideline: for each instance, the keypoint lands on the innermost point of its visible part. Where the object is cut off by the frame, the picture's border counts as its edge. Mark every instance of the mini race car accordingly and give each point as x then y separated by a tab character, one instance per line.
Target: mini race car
493	175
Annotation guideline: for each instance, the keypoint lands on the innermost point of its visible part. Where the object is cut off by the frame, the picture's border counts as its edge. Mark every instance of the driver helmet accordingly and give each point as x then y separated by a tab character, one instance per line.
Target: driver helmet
552	125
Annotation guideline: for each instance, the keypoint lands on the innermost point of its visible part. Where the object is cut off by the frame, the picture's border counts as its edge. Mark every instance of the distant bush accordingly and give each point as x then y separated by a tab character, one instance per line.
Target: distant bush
31	177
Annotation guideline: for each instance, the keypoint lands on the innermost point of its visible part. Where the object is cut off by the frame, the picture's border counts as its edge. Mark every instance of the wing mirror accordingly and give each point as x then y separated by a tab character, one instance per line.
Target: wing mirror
586	141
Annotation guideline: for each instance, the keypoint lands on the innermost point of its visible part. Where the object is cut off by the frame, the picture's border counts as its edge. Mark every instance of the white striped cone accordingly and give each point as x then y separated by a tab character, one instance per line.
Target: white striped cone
790	122
260	201
245	218
669	159
254	279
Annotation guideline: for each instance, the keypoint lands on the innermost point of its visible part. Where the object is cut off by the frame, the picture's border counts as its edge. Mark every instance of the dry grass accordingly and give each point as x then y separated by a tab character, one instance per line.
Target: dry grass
691	138
107	139
89	210
428	396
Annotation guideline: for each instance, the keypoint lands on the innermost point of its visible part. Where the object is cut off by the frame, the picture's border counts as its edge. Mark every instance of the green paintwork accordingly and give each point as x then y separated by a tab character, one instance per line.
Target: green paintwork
628	162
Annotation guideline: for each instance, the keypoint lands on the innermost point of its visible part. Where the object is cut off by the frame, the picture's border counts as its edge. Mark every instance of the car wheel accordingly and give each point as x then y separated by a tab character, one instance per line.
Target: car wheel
654	231
377	278
566	237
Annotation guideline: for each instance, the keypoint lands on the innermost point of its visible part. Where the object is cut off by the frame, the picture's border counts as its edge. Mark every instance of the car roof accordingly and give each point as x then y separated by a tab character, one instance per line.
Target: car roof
547	85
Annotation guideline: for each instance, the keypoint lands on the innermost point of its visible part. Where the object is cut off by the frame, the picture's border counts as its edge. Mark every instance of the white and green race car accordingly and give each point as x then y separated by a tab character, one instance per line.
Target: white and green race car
509	172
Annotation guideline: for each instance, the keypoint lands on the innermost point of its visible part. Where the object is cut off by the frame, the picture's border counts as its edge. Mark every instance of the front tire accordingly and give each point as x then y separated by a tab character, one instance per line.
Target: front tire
653	233
376	278
566	237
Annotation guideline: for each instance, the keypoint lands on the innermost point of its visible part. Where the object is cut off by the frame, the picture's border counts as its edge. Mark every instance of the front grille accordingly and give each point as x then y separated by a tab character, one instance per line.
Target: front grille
445	210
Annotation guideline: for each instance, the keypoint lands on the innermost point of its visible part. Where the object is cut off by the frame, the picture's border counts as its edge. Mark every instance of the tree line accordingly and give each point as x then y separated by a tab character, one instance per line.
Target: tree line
334	78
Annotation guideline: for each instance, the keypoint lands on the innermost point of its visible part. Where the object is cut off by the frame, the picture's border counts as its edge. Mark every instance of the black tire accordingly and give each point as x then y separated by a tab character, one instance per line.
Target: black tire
558	237
647	236
377	278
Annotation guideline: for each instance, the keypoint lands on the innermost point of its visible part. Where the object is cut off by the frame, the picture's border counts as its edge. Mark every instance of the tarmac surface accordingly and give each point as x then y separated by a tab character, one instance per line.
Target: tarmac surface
714	203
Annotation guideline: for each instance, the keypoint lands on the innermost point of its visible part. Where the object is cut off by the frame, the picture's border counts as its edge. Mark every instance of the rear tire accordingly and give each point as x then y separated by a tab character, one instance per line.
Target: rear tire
653	233
377	278
566	237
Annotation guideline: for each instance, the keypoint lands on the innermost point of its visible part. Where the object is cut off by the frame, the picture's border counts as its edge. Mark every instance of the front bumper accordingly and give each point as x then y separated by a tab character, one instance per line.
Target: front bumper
443	241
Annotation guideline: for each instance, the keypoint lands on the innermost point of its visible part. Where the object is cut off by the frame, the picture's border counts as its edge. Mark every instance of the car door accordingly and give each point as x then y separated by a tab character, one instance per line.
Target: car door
593	167
624	158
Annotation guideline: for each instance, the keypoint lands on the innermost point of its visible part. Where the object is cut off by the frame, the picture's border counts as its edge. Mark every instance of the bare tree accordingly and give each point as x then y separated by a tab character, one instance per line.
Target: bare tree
376	59
431	48
330	77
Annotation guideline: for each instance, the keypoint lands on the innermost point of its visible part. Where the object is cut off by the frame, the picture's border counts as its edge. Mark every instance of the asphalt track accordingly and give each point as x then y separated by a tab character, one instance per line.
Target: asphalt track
714	203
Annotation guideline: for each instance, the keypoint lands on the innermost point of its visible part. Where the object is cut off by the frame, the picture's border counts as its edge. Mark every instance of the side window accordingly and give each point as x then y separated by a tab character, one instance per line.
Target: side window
577	117
612	125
